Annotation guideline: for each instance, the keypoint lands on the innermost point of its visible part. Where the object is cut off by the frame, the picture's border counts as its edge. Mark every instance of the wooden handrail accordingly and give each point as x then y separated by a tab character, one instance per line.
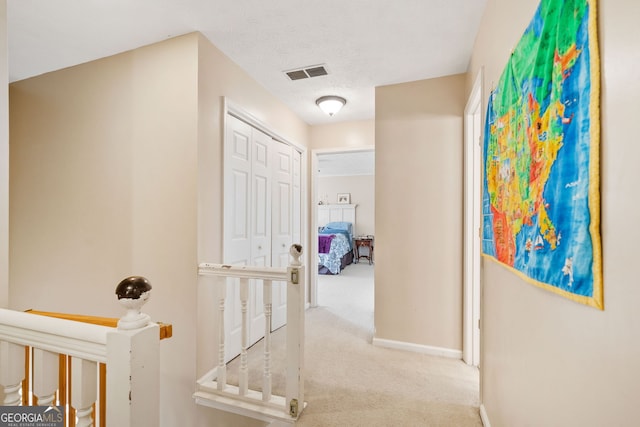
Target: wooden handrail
166	330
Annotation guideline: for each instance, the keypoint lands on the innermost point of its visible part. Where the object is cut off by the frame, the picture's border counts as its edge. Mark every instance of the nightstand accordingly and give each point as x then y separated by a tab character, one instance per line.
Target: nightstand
363	242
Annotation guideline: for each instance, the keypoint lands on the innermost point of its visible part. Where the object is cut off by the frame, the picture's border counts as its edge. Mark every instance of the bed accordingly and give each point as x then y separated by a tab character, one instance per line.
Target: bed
335	247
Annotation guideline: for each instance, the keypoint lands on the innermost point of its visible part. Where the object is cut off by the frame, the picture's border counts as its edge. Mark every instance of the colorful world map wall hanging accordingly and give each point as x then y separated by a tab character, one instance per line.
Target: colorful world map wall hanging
541	196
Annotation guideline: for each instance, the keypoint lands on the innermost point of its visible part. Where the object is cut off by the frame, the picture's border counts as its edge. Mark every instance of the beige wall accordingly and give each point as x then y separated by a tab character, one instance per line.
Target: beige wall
547	361
219	77
362	190
4	159
343	135
103	186
418	289
109	161
232	83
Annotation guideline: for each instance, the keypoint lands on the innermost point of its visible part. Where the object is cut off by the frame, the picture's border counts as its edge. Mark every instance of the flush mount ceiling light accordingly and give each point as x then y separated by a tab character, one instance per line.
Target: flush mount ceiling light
330	104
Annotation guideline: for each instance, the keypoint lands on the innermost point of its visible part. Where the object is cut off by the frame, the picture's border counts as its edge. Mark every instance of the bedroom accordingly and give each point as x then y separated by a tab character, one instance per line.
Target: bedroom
345	208
344	203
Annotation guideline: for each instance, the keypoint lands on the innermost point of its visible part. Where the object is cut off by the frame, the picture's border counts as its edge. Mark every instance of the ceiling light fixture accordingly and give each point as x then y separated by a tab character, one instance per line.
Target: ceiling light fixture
331	104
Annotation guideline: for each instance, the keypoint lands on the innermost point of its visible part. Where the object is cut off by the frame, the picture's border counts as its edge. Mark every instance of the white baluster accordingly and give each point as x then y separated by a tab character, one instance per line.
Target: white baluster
45	376
243	376
222	366
11	372
84	386
266	376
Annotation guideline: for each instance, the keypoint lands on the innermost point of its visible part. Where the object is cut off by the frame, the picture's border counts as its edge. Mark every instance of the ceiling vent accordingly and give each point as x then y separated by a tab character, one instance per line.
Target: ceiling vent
307	72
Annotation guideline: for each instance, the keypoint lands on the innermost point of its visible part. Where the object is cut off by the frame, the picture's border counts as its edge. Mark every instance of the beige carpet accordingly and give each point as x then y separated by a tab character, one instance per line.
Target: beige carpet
349	382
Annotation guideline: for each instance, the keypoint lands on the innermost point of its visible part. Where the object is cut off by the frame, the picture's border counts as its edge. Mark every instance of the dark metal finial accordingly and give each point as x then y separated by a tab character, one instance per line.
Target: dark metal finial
133	287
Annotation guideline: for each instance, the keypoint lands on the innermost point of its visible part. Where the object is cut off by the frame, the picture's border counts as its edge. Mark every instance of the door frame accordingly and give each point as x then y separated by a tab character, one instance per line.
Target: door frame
313	248
472	259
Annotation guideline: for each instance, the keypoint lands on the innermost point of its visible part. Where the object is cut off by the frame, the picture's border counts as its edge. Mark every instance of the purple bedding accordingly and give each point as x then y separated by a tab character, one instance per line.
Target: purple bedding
324	243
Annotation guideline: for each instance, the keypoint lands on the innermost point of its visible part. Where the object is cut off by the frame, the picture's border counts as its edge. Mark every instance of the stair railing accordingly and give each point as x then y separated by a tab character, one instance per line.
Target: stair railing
65	365
213	390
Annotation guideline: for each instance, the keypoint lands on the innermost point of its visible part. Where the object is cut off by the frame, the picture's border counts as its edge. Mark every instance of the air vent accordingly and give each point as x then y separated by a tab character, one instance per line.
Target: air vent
307	72
316	71
297	75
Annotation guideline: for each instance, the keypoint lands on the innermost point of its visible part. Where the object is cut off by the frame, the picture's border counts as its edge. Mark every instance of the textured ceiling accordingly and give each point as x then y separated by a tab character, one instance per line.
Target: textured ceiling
363	44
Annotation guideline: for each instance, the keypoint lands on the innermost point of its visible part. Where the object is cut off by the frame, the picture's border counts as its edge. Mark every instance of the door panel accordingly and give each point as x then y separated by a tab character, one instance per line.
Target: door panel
237	239
282	235
261	227
261	198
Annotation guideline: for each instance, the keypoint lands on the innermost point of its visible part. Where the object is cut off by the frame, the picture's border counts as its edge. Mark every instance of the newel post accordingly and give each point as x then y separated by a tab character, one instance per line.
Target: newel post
133	361
295	333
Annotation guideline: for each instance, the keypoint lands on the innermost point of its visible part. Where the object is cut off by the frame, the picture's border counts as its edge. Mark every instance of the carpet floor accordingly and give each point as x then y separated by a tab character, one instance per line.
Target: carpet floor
350	382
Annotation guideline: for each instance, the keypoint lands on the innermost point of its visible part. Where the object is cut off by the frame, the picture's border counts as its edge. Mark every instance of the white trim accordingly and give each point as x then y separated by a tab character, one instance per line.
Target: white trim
243	271
343	149
476	92
418	348
484	417
82	340
245	409
238	112
313	250
470	335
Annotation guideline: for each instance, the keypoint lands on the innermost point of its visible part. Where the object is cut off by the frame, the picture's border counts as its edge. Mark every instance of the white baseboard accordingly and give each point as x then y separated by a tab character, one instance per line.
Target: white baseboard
418	348
484	417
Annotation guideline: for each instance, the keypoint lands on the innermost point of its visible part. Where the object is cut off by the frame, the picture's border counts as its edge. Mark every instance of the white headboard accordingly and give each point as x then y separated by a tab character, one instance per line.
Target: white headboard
332	213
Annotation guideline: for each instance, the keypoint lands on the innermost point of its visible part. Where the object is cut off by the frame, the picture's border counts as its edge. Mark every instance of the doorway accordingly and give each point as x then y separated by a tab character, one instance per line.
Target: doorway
472	194
347	165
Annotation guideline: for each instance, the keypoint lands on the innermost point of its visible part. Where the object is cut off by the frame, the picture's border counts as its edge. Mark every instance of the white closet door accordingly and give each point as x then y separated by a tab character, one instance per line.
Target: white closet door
237	221
282	225
260	226
262	218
